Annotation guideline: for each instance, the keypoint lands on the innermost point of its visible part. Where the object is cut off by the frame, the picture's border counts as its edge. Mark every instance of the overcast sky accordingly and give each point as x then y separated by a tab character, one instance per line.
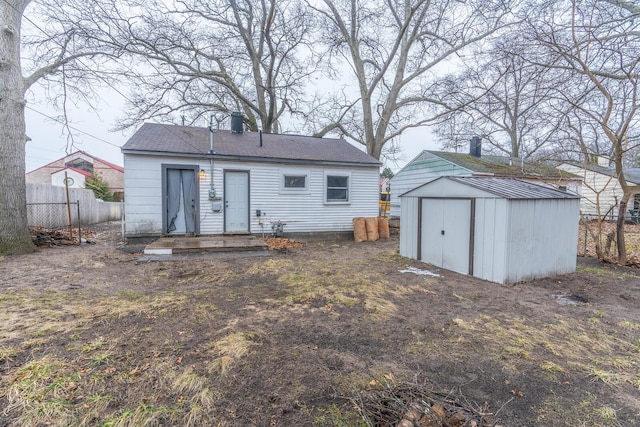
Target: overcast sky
92	129
92	132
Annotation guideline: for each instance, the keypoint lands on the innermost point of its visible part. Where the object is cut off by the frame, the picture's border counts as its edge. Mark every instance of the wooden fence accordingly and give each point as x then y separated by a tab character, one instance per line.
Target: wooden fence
47	207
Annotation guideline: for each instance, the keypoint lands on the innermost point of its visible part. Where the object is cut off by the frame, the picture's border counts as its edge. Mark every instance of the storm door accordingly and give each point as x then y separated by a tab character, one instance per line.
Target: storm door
180	207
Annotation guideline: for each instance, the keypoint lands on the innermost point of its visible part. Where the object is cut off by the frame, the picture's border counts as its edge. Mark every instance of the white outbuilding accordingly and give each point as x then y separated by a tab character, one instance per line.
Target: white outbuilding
504	230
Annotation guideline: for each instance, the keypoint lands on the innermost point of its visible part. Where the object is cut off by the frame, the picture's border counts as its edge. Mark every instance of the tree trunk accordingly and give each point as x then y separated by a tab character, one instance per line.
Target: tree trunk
622	249
14	231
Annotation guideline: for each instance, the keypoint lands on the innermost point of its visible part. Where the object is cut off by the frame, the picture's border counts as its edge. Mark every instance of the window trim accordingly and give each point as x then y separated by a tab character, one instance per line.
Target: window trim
326	187
294	172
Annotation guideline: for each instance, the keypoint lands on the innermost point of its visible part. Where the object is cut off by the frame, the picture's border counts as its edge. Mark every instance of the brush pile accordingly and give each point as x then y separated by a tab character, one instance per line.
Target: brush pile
44	237
281	243
389	404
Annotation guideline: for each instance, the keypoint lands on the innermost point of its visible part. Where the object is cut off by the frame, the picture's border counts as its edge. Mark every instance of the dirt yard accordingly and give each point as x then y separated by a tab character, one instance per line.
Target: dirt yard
330	334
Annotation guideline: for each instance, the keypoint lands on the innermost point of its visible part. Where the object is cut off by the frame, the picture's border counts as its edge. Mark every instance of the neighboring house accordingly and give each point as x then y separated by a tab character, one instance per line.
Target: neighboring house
429	165
79	166
384	184
500	229
176	183
601	187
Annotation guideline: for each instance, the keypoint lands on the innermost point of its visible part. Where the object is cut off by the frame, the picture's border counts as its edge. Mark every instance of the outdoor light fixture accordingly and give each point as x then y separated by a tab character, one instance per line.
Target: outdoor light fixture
203	174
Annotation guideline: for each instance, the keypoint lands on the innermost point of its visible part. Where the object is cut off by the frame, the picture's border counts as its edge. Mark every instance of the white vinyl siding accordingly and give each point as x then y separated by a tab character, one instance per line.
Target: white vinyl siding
301	211
597	189
422	169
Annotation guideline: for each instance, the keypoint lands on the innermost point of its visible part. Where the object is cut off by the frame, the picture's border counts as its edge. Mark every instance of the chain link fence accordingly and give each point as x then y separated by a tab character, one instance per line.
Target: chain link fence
593	233
55	216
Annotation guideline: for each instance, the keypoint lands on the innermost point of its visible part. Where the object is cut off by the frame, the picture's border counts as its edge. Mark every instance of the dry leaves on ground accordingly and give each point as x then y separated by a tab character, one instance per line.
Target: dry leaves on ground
281	243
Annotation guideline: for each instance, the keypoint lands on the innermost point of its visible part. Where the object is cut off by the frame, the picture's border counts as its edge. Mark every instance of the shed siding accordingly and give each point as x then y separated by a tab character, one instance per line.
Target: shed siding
543	237
302	212
490	233
515	239
409	227
421	170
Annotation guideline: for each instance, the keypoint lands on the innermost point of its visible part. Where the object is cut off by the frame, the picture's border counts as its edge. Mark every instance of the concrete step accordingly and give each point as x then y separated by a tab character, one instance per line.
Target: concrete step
187	245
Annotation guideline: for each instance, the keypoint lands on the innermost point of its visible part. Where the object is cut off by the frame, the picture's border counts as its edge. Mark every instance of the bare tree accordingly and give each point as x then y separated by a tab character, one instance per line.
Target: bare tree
598	44
14	235
503	97
188	58
395	50
48	54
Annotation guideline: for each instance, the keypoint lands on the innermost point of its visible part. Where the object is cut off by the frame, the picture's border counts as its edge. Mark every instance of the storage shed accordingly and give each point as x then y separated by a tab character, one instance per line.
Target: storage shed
500	229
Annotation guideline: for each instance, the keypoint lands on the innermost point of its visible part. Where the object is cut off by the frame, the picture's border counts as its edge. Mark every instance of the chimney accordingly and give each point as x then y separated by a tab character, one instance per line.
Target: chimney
236	122
475	147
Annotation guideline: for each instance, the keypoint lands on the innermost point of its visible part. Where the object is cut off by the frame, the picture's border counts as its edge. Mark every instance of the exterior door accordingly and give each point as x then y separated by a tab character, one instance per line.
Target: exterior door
180	206
446	234
236	202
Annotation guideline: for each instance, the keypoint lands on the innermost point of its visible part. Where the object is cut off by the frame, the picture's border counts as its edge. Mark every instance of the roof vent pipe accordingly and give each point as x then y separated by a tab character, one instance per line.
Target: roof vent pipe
475	147
236	122
260	137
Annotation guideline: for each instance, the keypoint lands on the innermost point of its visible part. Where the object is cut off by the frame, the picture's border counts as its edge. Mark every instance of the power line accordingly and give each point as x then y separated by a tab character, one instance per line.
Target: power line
101	78
72	127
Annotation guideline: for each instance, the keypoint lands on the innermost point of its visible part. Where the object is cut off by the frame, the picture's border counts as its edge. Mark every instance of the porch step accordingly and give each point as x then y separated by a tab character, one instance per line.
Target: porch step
188	245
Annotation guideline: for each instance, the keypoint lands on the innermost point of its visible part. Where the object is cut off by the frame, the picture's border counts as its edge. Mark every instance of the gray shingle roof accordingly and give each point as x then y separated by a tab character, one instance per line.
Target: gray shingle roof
194	141
511	188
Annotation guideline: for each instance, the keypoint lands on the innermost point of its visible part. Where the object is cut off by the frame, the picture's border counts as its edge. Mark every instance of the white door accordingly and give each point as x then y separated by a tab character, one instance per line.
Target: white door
236	202
446	233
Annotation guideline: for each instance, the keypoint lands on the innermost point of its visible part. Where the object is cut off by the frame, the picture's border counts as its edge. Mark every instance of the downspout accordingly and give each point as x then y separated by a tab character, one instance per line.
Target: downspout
212	189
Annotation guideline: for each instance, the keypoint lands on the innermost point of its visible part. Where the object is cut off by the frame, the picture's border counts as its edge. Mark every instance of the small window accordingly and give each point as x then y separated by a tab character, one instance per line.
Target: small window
295	181
337	188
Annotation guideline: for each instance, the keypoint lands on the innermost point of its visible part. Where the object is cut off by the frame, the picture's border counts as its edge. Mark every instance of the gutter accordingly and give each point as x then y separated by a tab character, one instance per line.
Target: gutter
249	158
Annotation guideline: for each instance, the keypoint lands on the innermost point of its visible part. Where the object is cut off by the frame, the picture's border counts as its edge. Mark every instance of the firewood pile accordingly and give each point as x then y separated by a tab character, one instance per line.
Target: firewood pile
43	237
413	405
281	243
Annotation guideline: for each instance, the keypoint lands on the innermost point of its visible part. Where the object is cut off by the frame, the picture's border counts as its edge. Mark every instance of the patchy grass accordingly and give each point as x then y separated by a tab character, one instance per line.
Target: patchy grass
586	413
38	392
229	350
7	353
143	414
343	284
604	272
567	346
336	416
282	340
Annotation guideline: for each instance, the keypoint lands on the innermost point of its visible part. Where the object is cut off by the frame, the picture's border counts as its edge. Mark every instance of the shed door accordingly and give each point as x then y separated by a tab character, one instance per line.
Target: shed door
236	202
446	233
